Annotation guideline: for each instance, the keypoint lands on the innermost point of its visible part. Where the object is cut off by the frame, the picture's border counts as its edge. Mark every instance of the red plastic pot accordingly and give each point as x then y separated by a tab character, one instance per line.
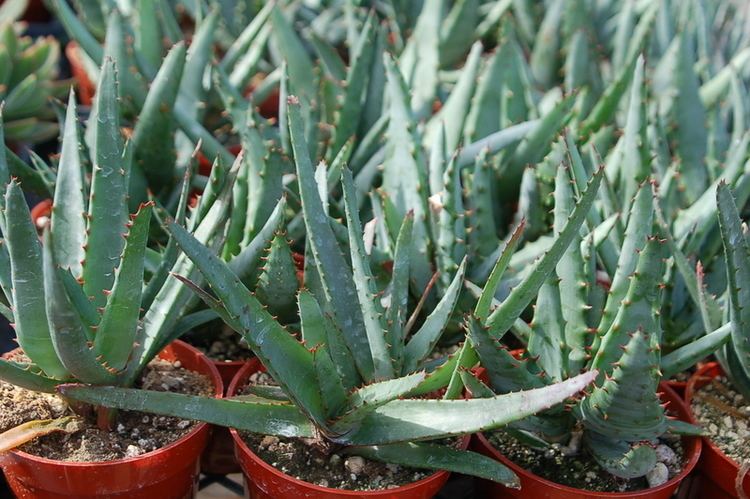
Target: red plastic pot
678	387
167	473
715	465
86	88
540	488
41	209
218	458
263	481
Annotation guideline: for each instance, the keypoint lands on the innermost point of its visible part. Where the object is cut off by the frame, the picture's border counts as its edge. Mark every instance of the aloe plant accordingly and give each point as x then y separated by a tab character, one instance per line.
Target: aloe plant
356	378
77	298
619	337
28	78
734	355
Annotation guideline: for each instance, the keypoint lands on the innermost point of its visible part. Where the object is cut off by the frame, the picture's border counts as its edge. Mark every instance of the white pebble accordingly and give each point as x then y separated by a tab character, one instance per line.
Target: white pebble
665	454
355	465
658	475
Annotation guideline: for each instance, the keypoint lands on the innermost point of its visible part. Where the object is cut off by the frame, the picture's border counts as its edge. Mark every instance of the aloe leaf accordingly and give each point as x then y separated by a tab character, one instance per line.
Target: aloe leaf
107	208
453	113
77	30
67	224
277	284
27	276
301	74
33	180
737	254
170	253
117	329
688	355
19	435
466	358
329	260
636	233
626	407
573	282
315	335
455	33
420	59
247	66
690	119
23	376
283	420
712	90
545	54
440	457
484	303
396	315
620	458
246	261
369	397
171	299
199	54
240	44
289	362
68	333
424	340
475	387
347	120
503	317
638	309
635	155
364	282
153	137
409	420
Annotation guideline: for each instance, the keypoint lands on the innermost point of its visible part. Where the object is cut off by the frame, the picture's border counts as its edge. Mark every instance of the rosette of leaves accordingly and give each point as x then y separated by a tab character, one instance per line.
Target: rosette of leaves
28	79
574	329
356	382
77	298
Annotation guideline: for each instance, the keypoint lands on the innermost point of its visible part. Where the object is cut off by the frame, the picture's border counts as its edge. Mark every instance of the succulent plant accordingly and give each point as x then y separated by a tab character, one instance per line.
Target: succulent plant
620	337
356	380
734	356
28	79
77	298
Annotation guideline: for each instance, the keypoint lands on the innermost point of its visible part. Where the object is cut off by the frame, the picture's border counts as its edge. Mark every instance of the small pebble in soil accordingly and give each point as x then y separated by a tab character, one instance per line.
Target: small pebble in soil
724	415
658	475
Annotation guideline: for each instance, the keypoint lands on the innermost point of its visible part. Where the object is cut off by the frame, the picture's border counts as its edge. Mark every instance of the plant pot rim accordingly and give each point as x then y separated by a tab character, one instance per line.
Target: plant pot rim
697	377
687	468
218	392
255	364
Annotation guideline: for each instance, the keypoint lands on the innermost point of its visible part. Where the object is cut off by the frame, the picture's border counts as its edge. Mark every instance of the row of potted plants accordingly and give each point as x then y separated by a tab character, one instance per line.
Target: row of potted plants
525	225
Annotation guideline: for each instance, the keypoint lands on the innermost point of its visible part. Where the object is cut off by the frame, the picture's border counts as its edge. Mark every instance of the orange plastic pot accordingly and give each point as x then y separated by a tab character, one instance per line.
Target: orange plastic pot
218	458
42	209
86	88
167	473
716	466
263	481
539	488
678	387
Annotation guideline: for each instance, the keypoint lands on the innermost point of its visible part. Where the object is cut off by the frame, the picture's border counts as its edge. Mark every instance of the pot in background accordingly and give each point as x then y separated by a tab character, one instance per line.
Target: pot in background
717	468
86	88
